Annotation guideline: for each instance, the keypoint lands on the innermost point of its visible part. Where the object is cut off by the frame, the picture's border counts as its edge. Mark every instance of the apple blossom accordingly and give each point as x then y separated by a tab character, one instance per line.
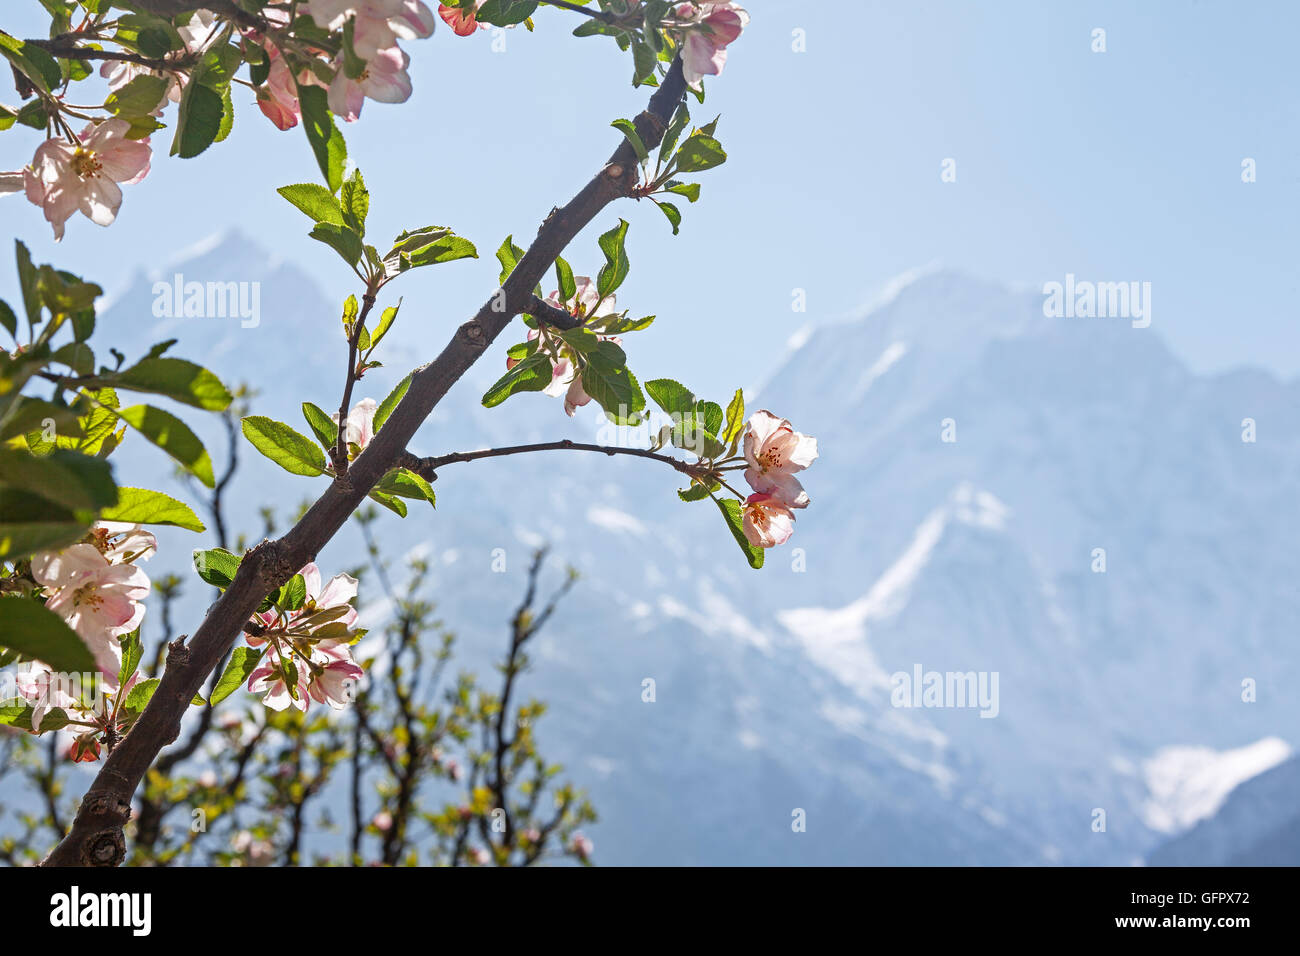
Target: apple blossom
706	30
360	425
195	35
767	521
98	594
277	98
775	452
44	690
383	80
581	846
298	665
65	177
462	20
588	305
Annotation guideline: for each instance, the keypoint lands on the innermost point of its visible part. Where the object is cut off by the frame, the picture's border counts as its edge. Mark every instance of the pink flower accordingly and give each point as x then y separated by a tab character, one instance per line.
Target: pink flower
383	821
462	20
480	856
322	669
44	690
581	846
66	177
335	682
278	97
708	28
99	600
194	34
361	424
269	678
587	305
775	452
767	520
384	80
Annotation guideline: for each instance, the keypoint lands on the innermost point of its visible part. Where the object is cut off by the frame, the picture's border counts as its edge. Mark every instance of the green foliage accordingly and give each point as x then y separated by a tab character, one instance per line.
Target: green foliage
39	634
289	449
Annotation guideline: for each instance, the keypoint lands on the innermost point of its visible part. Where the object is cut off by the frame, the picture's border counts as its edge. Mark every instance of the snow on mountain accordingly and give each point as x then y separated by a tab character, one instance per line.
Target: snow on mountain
1257	825
974	556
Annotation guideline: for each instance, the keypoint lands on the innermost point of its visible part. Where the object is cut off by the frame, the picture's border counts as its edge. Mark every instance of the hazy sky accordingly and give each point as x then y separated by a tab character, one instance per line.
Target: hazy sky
1122	165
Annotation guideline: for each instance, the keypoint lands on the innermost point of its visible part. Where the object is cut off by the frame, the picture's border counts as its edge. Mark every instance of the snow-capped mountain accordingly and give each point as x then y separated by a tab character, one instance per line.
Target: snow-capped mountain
975	457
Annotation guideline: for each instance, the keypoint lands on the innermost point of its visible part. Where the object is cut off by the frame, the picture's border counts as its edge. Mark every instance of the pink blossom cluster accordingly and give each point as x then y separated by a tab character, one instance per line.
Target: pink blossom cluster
308	654
588	305
377	25
774	454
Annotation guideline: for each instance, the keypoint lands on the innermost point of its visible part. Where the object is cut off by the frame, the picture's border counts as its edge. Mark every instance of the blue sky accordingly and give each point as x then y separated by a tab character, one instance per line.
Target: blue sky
1123	165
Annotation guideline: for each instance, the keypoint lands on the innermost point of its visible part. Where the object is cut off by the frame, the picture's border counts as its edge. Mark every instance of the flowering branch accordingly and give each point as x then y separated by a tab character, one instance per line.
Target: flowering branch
96	837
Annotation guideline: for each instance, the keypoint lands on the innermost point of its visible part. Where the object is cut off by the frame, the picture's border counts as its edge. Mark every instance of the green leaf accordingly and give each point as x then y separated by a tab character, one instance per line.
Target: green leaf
75	481
138	699
142	506
673	397
35	63
28	281
533	374
20	539
243	661
291	450
674	132
426	247
690	190
564	278
672	212
712	413
177	379
613	244
508	255
173	436
216	566
339	238
608	381
407	484
38	633
138	97
356	203
132	651
293	594
731	513
314	200
8	319
198	121
735	417
385	323
21	716
325	139
390	502
700	151
391	402
698	492
628	129
324	427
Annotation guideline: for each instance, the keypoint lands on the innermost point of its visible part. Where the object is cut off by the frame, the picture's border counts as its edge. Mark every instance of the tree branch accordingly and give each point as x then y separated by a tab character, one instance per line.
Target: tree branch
427	468
96	835
64	48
